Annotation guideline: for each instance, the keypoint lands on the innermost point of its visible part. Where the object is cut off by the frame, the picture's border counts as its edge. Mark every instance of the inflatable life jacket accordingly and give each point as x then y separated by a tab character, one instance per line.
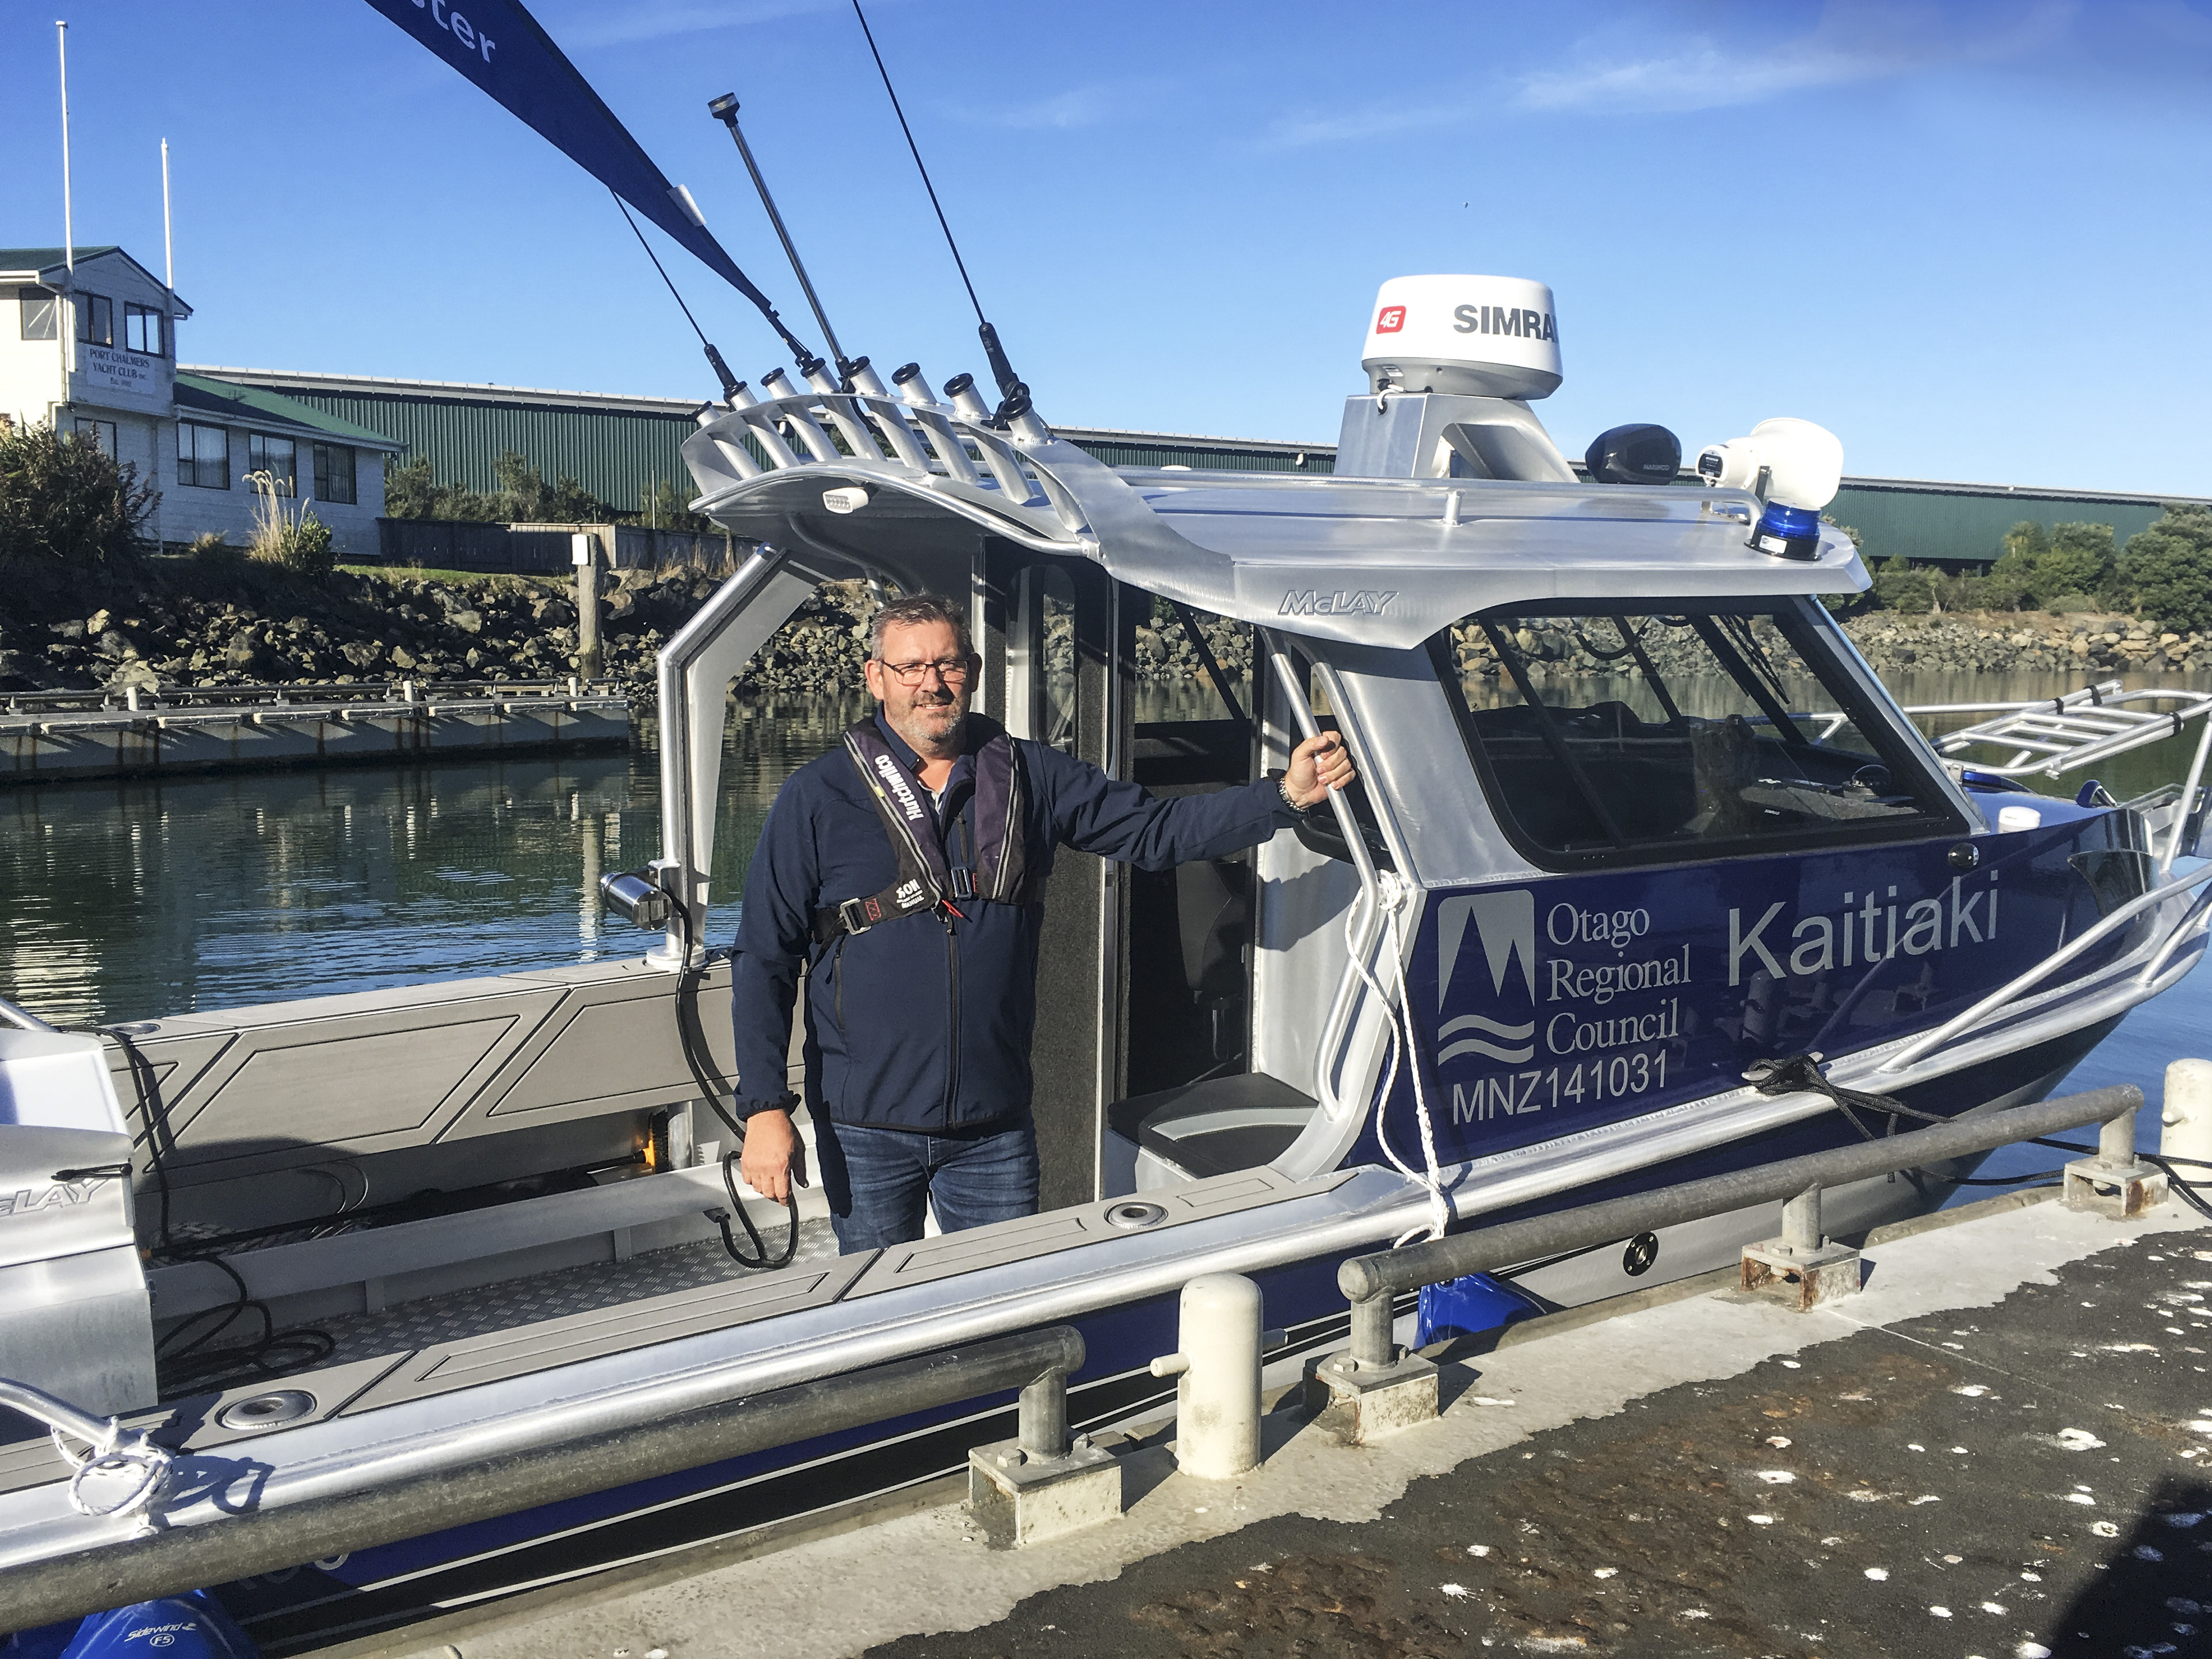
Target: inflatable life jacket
926	880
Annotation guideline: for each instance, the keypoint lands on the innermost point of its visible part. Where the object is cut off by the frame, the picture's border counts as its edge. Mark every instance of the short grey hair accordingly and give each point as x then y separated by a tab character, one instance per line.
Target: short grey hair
915	610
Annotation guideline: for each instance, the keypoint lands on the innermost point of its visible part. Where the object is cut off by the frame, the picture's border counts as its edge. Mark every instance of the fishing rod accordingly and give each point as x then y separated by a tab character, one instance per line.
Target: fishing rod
724	109
1014	395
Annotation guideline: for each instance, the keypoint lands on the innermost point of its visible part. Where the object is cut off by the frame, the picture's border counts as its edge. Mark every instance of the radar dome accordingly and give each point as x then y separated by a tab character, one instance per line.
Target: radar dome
1485	337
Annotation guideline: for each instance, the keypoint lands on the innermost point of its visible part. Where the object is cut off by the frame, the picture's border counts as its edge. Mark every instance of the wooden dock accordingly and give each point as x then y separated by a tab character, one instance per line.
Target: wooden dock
52	736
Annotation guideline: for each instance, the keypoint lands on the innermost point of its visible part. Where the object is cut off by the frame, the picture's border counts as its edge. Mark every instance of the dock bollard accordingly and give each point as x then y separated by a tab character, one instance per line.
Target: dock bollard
1041	1484
2114	1183
1217	1367
1802	1268
1372	1388
2185	1118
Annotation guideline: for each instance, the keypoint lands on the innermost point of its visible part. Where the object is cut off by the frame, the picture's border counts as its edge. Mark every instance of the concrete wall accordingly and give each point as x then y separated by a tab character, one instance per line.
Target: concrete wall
189	510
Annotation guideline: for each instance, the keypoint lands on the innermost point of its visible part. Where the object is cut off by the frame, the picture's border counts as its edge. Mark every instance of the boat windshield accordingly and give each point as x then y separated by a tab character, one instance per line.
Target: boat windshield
1607	736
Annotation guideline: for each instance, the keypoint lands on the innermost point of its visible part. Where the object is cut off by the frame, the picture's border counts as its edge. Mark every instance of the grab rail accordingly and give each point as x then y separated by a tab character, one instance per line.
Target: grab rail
21	1018
2009	992
1364	927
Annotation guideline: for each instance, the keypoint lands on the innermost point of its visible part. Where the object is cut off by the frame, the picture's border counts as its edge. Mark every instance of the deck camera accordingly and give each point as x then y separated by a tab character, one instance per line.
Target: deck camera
634	896
1795	467
1637	454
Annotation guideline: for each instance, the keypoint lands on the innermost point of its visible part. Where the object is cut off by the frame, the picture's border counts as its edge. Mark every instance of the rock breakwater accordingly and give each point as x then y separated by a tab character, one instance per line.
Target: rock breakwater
202	624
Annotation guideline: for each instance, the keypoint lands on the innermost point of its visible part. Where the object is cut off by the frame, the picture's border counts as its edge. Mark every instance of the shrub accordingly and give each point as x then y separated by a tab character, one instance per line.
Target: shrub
297	542
2169	566
1899	584
64	501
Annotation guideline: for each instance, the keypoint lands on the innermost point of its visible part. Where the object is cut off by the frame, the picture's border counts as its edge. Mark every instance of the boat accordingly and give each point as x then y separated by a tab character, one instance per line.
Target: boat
1646	876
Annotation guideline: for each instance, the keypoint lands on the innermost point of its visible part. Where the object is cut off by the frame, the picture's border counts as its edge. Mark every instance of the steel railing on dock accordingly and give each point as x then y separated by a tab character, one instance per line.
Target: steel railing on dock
259	1541
1369	1282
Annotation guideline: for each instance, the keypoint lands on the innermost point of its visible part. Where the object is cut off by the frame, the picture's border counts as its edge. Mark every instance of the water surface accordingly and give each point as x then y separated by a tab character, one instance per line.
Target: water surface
124	901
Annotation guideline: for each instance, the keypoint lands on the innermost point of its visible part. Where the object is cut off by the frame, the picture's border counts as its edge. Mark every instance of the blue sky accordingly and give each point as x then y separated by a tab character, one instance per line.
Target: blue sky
1969	238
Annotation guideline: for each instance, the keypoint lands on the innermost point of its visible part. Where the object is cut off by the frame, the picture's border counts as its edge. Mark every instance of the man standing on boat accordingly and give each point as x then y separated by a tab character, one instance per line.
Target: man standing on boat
902	873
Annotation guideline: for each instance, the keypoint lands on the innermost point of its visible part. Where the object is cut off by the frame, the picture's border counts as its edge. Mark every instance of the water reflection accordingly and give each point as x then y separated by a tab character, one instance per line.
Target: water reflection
125	902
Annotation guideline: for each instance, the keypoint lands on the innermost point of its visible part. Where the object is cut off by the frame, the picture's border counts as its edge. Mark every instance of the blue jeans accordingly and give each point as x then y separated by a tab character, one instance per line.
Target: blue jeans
878	1180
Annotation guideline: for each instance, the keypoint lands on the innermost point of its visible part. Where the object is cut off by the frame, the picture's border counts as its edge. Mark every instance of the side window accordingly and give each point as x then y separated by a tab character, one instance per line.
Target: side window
101	434
202	456
334	474
145	329
96	319
1607	737
39	310
277	457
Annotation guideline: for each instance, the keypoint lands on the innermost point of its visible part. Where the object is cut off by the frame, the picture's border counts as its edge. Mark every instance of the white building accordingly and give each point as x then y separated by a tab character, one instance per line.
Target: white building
94	349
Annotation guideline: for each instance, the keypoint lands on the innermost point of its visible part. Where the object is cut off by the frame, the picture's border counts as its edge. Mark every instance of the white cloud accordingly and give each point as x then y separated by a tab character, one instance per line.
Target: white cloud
1854	41
661	19
1081	107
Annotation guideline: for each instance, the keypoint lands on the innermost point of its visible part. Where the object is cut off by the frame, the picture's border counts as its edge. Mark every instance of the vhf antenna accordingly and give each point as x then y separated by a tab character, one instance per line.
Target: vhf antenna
724	109
1013	395
731	384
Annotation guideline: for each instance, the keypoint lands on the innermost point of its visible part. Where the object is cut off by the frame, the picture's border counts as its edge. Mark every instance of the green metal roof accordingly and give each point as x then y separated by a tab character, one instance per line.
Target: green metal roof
256	407
40	259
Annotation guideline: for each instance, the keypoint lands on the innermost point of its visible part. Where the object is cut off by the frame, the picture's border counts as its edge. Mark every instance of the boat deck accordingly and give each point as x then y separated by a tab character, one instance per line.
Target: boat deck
486	1309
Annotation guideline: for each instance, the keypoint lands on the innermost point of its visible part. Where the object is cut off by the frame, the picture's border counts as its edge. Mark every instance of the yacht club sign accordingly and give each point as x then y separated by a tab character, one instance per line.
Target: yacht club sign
105	369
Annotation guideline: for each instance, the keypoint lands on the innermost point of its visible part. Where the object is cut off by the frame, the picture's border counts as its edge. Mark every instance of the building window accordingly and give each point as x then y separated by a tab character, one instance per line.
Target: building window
40	309
98	434
146	330
334	474
277	457
96	319
203	455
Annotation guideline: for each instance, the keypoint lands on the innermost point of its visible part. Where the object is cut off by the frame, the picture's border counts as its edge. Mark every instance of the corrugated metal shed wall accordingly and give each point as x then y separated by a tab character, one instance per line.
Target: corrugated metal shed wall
1934	526
614	454
618	453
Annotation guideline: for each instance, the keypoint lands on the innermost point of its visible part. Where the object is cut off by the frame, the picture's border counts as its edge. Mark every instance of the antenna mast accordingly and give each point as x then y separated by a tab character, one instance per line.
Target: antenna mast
724	109
1014	396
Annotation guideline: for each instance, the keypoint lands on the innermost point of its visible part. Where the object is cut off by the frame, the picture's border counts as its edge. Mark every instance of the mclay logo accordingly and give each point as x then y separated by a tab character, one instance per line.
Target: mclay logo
1506	923
1311	601
1391	319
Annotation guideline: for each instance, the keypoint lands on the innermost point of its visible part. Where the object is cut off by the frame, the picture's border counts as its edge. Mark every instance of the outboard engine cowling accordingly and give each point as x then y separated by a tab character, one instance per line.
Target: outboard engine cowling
74	1317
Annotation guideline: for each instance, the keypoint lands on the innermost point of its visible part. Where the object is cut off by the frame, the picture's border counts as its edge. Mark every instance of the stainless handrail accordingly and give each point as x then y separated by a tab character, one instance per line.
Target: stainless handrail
2009	992
1364	928
21	1018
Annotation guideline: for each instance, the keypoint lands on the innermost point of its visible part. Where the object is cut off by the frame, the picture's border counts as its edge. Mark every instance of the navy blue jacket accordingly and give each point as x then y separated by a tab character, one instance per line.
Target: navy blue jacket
924	1023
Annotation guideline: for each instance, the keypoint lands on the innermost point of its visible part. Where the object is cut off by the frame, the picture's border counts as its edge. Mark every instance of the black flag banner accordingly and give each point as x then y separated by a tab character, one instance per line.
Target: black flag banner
498	45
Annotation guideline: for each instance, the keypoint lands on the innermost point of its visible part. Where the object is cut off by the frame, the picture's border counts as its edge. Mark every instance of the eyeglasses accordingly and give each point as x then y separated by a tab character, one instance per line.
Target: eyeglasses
953	671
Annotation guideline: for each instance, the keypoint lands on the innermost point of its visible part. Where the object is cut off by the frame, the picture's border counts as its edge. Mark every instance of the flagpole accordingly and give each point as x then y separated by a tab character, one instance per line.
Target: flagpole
168	246
68	308
69	231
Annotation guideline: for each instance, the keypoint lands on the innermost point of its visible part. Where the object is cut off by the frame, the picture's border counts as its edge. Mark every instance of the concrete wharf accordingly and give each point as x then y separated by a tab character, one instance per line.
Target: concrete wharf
49	735
1996	1449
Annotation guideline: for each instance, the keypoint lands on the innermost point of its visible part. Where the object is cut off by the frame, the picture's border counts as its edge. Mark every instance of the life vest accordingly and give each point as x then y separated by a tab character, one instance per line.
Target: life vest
926	880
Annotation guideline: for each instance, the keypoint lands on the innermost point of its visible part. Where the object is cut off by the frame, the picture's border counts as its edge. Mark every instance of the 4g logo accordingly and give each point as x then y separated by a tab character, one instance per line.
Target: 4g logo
1391	319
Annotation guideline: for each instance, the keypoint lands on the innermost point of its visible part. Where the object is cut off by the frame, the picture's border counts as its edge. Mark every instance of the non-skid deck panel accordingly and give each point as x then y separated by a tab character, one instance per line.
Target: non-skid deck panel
933	1259
626	1326
190	1425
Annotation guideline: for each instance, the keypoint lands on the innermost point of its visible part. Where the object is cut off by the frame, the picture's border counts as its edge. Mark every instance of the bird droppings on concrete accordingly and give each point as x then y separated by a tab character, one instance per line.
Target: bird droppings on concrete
1648	1482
